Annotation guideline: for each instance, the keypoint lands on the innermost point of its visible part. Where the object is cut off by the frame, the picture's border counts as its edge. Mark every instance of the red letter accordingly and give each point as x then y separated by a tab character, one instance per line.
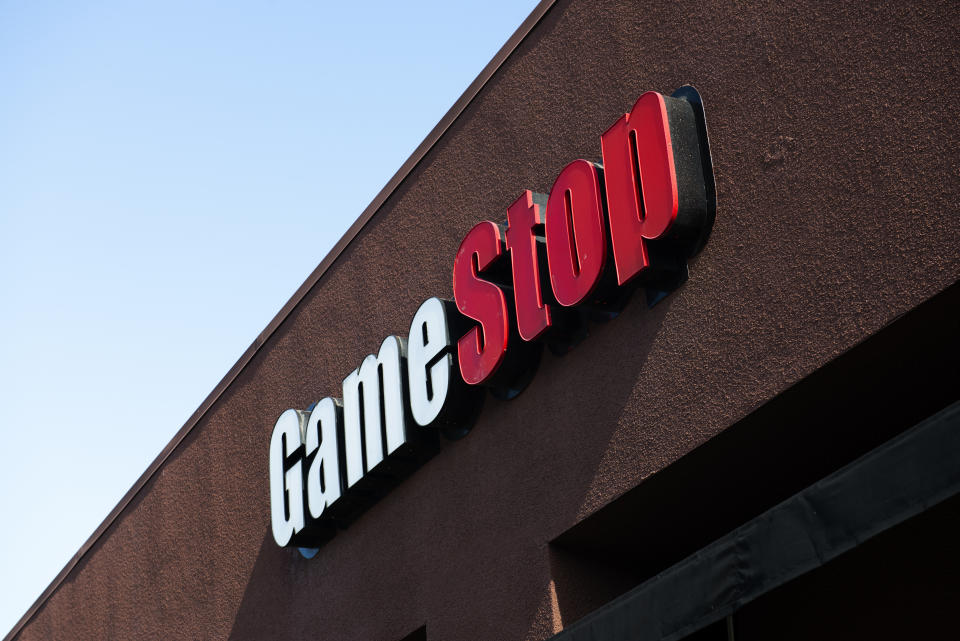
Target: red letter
641	182
576	246
533	316
480	350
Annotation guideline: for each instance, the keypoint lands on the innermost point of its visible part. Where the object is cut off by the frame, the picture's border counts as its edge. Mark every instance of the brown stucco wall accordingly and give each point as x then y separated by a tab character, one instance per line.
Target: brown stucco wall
834	147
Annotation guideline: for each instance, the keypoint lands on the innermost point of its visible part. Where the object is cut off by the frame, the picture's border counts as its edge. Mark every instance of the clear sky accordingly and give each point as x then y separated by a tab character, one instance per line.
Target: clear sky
170	172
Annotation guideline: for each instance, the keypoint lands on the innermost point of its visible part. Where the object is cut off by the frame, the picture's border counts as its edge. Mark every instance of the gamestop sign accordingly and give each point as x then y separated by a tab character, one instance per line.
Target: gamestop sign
560	262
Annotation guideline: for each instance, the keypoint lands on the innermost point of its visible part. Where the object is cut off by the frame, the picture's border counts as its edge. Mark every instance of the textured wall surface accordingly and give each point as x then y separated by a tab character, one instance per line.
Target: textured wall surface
834	145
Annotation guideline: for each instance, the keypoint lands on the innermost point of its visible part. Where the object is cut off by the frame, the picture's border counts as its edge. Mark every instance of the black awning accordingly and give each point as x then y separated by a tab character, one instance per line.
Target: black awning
891	484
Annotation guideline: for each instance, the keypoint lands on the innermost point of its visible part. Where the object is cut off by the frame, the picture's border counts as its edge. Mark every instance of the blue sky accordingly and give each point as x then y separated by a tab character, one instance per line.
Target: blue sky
170	173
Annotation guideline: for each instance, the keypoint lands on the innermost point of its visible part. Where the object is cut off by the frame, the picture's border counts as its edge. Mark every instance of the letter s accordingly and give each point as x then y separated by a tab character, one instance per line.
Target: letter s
482	349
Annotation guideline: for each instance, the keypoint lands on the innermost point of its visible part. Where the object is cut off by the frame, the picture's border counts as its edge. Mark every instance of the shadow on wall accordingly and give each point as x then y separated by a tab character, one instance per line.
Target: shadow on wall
286	595
266	602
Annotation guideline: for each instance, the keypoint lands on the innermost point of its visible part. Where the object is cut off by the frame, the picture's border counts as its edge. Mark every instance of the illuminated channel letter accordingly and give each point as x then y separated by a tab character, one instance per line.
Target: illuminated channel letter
523	217
323	479
482	348
429	362
576	233
439	398
641	181
286	486
373	402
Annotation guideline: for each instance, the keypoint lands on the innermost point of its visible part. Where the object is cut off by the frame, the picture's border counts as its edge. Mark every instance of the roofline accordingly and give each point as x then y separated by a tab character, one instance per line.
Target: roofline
411	163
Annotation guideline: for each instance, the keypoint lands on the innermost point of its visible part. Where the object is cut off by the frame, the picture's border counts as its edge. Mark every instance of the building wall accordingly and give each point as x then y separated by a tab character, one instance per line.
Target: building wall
833	142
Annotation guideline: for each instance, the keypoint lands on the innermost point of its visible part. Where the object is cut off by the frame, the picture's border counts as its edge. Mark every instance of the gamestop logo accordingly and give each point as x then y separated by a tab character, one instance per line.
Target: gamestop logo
560	262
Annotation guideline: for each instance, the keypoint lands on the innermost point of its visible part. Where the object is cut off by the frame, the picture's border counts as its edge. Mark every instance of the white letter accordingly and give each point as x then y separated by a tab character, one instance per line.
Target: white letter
362	416
286	518
428	371
323	479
